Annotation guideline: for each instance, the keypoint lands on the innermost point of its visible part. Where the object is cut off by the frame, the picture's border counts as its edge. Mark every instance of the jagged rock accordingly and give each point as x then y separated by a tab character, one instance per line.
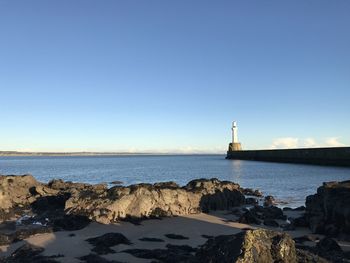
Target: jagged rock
251	201
182	248
269	212
29	254
329	206
16	193
161	199
252	192
305	256
252	246
271	222
329	245
102	244
43	190
70	222
269	200
326	249
249	218
266	214
21	233
50	204
300	221
299	208
58	198
116	182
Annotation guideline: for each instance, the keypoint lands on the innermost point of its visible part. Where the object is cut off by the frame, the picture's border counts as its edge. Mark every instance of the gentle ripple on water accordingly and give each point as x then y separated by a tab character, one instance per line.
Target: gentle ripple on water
287	182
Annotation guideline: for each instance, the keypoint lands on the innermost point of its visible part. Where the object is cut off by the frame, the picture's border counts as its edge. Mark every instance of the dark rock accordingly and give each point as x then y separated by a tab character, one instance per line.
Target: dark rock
174	254
273	212
331	230
300	208
327	249
271	222
344	237
329	245
181	248
236	212
300	221
258	246
249	218
159	213
247	228
16	195
329	206
288	227
137	221
251	201
70	222
287	208
221	200
50	204
116	182
305	256
151	239
93	258
21	233
165	185
104	243
252	192
175	236
269	200
224	248
28	254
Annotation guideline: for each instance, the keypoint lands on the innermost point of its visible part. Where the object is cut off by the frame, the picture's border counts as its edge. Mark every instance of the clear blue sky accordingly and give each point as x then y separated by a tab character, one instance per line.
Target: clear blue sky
171	75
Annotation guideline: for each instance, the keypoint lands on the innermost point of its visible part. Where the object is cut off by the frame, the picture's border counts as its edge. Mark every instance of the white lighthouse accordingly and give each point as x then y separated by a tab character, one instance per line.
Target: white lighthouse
234	145
234	132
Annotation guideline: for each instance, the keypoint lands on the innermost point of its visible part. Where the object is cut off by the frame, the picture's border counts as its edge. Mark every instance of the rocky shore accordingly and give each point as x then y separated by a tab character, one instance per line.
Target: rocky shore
207	220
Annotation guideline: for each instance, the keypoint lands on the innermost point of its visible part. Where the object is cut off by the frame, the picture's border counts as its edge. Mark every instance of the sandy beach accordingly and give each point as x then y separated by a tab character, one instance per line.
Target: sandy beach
71	245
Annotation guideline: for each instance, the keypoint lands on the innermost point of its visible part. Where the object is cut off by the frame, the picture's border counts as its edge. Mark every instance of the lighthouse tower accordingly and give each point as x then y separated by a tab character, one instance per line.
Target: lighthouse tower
234	132
235	145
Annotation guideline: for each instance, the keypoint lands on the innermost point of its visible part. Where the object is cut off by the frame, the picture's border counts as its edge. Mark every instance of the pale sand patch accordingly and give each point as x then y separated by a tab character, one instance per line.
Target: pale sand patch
191	226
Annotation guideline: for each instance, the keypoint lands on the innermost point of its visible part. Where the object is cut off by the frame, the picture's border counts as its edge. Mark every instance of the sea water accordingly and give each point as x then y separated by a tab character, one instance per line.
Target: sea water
289	183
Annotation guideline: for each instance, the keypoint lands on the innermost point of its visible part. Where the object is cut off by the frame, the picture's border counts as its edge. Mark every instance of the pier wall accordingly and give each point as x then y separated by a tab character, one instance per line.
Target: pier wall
336	156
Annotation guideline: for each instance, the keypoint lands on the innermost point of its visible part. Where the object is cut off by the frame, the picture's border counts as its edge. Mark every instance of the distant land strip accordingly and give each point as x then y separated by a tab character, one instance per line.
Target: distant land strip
17	153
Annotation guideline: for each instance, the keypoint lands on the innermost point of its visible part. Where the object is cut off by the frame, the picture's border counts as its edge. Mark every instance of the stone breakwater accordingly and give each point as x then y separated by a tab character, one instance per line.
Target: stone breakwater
335	156
24	195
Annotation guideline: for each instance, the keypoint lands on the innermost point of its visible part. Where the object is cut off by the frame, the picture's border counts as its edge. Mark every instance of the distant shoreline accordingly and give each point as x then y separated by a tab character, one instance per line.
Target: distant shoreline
17	153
